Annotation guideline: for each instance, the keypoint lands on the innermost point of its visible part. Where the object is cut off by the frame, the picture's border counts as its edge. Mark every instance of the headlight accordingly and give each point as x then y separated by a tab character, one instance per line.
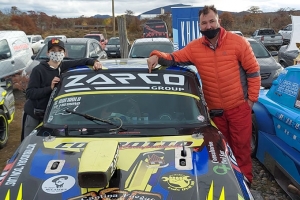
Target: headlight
105	49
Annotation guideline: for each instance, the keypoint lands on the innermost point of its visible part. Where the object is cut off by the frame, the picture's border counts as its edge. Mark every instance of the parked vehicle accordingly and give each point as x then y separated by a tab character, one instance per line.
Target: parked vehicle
155	28
99	37
125	134
76	48
268	37
276	130
142	47
238	32
15	52
7	110
288	53
269	67
36	42
113	47
285	57
286	33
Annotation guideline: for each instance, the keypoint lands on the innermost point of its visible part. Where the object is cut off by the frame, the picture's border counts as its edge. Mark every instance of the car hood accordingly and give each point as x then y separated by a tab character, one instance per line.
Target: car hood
268	64
147	168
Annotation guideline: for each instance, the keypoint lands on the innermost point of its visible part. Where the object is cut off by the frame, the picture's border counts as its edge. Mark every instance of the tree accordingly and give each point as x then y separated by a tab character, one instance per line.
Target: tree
254	9
227	20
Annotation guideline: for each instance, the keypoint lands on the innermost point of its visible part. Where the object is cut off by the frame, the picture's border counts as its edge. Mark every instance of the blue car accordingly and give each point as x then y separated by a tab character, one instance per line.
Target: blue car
276	130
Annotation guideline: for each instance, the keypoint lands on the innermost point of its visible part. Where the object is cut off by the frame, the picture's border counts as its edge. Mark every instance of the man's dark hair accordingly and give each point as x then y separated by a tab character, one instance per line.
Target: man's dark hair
206	9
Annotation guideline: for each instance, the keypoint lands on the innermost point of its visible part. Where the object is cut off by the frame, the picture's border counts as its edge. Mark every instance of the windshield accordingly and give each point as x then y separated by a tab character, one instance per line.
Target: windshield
133	109
259	50
143	50
73	51
113	41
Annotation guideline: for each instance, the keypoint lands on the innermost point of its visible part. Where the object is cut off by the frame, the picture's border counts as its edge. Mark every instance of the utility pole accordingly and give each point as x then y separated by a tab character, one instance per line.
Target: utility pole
113	16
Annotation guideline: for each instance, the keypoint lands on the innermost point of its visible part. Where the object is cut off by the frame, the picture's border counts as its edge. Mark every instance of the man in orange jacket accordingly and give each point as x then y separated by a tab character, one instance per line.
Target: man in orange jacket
230	79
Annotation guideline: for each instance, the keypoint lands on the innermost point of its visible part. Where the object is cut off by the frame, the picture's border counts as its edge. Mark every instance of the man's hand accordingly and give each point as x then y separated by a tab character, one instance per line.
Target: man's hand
250	103
55	80
152	62
97	65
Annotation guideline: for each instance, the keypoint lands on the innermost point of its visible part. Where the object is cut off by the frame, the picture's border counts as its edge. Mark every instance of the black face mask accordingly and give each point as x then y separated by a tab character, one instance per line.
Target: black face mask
210	34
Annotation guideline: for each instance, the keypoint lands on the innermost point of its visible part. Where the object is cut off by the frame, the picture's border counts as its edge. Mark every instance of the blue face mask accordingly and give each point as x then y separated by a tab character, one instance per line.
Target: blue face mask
211	33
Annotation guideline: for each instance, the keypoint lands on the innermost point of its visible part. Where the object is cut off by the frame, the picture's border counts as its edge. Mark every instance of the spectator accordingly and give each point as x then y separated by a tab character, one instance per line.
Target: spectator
42	81
230	79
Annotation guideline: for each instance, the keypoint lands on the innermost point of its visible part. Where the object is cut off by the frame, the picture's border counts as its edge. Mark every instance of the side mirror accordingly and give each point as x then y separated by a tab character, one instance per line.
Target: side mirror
274	53
216	113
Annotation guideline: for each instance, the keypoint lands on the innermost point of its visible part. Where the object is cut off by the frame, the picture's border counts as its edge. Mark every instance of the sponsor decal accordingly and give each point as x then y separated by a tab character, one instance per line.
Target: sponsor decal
220	159
287	120
119	81
58	184
177	181
19	46
116	194
155	159
288	87
132	145
20	165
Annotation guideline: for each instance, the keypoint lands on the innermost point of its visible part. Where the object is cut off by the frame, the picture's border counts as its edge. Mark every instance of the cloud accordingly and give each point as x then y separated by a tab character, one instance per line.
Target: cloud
77	8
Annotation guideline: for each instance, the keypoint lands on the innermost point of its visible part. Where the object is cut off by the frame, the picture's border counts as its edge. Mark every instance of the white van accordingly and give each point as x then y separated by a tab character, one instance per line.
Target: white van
15	52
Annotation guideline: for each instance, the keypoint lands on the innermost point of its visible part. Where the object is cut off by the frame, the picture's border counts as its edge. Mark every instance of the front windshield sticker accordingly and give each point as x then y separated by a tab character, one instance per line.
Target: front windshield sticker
288	88
201	118
63	104
128	81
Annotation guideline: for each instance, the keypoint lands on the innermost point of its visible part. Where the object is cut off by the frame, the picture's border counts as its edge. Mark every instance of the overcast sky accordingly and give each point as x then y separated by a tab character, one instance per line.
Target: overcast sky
77	8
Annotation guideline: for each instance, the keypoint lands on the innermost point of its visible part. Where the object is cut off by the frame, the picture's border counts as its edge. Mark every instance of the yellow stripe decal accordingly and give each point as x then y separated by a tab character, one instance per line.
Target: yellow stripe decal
126	92
222	195
240	197
20	196
7	195
211	192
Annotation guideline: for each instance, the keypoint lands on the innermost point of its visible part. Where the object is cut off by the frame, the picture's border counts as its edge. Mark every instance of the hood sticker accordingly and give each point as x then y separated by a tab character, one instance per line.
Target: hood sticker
177	181
155	159
58	184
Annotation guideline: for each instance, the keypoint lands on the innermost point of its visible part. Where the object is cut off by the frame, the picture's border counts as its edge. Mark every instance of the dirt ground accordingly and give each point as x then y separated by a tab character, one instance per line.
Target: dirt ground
14	138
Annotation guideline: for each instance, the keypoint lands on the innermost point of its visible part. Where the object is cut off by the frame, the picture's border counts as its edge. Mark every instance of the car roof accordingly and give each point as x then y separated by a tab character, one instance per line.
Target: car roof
145	40
78	40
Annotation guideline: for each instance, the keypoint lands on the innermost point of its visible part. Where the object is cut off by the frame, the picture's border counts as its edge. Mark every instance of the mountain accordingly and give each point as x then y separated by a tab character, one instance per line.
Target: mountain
102	16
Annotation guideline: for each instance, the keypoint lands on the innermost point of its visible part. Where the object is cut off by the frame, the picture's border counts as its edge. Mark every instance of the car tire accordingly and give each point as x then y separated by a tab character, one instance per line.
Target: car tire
3	129
254	136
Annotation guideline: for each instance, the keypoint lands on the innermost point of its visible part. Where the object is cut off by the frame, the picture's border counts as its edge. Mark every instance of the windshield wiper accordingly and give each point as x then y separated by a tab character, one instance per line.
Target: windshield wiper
92	118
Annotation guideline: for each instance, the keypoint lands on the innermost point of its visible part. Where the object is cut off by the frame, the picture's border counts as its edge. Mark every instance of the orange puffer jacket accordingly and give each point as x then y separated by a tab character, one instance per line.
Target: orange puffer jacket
229	74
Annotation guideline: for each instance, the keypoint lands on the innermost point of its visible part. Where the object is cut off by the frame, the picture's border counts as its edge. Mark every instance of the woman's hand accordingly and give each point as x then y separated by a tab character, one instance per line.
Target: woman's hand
55	80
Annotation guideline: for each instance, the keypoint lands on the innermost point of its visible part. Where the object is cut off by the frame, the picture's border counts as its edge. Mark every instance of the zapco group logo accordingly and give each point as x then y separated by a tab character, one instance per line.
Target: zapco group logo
177	181
58	184
127	81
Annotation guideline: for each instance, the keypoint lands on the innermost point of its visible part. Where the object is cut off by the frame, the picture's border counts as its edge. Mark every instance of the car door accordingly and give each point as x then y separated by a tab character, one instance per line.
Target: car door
6	61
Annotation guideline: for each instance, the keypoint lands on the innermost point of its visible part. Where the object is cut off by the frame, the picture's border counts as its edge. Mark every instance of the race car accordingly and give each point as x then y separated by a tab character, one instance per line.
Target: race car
7	109
276	130
122	133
